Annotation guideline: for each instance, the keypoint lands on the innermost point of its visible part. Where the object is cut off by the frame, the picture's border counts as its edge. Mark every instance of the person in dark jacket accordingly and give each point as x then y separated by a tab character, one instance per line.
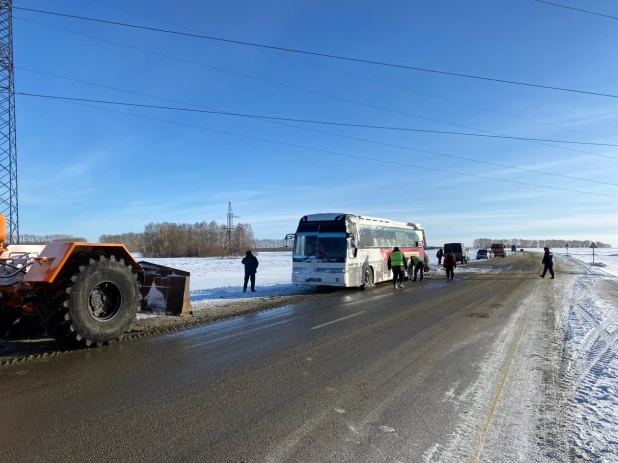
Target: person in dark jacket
397	263
450	263
251	264
548	262
440	255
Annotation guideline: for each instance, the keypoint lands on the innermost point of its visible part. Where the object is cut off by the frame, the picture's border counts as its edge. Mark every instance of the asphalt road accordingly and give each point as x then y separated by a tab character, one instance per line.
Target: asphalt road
351	376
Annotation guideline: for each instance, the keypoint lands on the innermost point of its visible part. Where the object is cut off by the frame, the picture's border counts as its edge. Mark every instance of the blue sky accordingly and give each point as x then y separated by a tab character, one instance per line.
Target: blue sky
88	171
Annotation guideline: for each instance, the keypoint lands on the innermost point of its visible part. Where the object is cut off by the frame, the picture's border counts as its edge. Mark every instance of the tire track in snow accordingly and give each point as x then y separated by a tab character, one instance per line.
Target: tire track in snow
579	294
591	377
603	346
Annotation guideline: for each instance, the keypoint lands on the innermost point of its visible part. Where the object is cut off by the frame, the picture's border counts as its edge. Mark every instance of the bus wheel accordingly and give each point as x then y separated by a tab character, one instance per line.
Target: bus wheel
369	281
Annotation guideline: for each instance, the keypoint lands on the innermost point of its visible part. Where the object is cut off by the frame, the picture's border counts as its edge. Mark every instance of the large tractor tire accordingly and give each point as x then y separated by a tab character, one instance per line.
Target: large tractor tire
93	301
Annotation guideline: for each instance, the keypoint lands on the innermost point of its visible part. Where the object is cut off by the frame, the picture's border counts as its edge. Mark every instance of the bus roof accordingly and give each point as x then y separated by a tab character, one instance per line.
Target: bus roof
324	216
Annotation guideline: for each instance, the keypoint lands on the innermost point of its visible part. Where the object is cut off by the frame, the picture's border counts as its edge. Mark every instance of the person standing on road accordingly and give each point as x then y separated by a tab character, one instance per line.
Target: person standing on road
548	262
251	264
440	255
450	263
397	263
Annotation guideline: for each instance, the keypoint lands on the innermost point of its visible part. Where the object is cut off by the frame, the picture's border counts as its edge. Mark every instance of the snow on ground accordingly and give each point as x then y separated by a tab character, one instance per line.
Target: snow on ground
590	377
580	420
592	370
216	281
605	259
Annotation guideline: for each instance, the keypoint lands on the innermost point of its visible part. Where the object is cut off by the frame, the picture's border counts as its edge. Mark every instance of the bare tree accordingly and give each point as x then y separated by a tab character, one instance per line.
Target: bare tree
532	243
44	239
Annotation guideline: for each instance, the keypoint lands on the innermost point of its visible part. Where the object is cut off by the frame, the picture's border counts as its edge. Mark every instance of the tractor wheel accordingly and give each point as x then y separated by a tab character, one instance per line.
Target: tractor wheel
93	303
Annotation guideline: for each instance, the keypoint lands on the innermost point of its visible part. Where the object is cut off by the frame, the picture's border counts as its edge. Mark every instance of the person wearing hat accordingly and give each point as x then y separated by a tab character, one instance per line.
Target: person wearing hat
548	263
251	264
397	263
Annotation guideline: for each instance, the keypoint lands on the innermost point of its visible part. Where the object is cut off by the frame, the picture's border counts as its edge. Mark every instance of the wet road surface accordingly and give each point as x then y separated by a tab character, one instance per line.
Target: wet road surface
377	375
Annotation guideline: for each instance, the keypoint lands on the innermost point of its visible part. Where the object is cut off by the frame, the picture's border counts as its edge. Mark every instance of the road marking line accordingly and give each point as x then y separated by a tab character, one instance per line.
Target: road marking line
487	422
338	320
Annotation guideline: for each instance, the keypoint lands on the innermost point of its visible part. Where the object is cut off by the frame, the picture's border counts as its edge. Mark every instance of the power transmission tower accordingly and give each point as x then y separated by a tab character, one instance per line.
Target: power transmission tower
231	244
8	143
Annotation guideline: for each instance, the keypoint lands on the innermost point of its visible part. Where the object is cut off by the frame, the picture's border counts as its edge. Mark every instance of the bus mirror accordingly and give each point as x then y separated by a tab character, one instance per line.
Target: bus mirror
353	242
289	239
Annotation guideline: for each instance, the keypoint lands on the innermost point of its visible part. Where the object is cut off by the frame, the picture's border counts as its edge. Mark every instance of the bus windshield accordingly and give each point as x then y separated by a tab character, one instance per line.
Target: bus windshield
330	247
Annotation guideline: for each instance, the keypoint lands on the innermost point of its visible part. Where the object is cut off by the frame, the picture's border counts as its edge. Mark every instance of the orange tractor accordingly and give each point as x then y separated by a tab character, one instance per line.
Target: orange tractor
81	293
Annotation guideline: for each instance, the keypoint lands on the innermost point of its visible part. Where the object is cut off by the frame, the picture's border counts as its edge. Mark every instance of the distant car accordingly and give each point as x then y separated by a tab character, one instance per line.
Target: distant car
483	254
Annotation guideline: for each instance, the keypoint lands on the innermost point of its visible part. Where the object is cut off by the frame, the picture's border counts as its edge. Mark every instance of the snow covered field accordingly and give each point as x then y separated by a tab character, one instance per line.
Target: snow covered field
216	280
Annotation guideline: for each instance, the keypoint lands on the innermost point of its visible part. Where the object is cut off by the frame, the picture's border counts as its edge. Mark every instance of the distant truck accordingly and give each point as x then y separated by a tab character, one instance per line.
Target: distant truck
498	250
460	251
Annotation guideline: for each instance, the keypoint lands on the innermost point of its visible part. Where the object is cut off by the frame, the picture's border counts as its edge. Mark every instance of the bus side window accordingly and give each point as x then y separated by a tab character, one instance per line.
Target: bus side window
412	238
366	238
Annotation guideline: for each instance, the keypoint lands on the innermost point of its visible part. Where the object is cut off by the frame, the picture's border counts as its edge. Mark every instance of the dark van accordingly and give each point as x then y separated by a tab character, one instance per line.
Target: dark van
460	251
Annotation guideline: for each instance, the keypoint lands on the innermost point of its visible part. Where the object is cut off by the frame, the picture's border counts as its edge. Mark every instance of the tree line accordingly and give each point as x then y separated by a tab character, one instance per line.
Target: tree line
200	239
528	243
269	244
44	239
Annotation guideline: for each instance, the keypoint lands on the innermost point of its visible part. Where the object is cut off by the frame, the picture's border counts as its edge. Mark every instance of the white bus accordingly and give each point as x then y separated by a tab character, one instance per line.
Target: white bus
349	250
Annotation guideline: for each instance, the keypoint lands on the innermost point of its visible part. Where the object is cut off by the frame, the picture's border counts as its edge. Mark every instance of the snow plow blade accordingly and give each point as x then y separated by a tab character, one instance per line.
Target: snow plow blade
165	290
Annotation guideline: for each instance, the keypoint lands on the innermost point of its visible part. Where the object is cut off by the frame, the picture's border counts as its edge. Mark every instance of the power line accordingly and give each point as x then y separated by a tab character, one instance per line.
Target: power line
430	95
336	153
369	79
577	9
306	52
309	121
300	89
126	10
336	135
